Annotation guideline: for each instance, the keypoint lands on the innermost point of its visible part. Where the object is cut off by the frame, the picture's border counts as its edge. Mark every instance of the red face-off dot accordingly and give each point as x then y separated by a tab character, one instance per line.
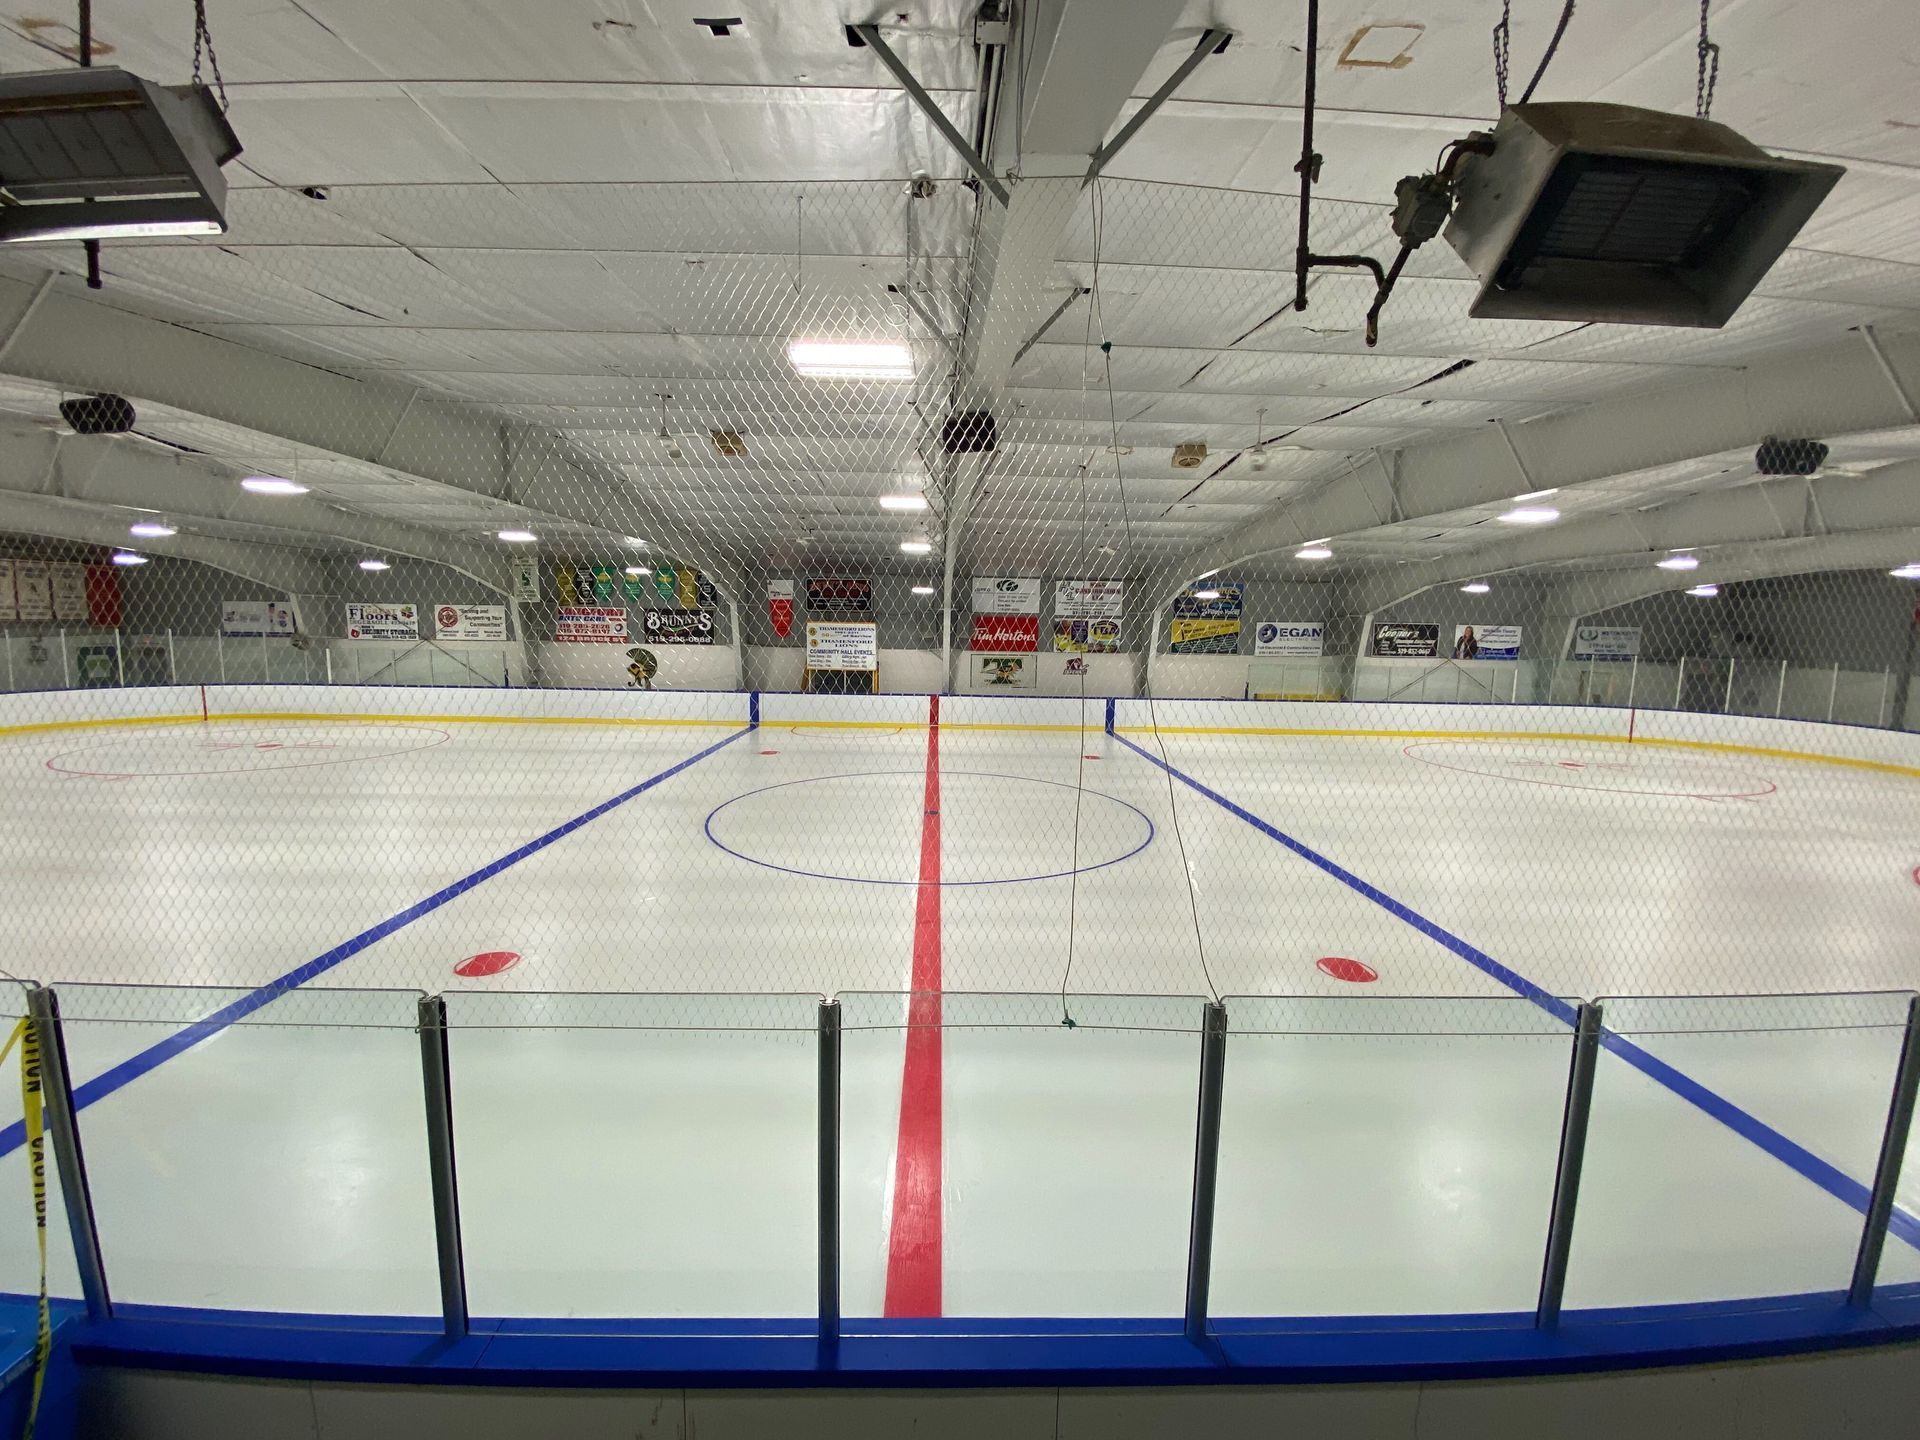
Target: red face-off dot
487	962
1339	967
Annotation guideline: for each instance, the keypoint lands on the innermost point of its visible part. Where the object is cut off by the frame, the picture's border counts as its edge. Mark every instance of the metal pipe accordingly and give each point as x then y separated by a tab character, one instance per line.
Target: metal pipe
1206	1166
1886	1174
1573	1149
119	659
827	1169
1833	690
1212	41
1680	683
437	1077
47	1071
1303	253
1780	691
1726	700
1633	678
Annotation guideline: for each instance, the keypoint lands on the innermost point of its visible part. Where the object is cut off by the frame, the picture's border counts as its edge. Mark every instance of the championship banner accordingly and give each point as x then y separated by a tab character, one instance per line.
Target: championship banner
605	583
842	645
383	622
470	622
1420	642
1005	632
995	595
1594	642
105	604
563	585
1486	642
1206	637
255	617
1088	599
1289	637
677	627
8	610
32	590
526	579
69	586
840	595
1004	672
780	606
1087	637
591	624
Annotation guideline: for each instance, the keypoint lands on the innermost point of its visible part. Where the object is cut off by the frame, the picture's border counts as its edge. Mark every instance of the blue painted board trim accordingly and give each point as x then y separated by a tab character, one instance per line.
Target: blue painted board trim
1828	1177
753	709
132	1068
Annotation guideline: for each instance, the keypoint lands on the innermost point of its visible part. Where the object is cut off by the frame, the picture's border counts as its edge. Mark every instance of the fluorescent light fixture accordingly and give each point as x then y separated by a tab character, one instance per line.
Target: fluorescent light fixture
127	557
1705	592
1535	495
151	530
516	537
903	502
1531	515
1313	552
1679	562
851	359
372	564
98	153
272	485
1475	587
1907	572
916	547
1208	574
1206	594
636	571
923	589
634	542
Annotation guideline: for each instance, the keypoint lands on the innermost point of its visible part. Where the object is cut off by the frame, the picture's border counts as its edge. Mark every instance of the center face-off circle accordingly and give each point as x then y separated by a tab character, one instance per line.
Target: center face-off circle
1602	768
235	750
866	828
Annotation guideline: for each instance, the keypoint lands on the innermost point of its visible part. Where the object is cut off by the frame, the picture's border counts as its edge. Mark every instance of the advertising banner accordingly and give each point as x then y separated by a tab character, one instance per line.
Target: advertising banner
563	585
842	645
470	622
1088	599
1398	639
33	593
1211	625
526	579
1602	642
1087	637
1005	595
780	606
1486	642
255	617
69	586
8	610
1206	637
1005	632
1005	672
383	622
677	627
840	595
1289	637
591	624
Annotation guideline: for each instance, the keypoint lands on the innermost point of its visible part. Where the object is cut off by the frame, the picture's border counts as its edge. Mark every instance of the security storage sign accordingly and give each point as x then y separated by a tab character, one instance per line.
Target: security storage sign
1289	637
383	622
677	627
1606	642
1088	599
842	645
1486	642
1005	595
1396	638
470	622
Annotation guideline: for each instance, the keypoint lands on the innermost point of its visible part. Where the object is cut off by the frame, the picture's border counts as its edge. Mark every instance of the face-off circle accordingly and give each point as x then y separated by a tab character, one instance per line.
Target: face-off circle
487	962
242	750
1340	967
1600	767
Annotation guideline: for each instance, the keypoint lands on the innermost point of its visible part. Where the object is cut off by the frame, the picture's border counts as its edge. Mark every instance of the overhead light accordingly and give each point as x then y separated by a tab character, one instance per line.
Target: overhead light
1679	562
1535	495
635	542
1531	515
916	547
372	564
1206	594
1705	592
127	557
1475	587
634	572
1106	550
516	537
1611	213
151	530
1313	552
272	485
1208	574
1907	572
923	589
903	502
851	359
101	154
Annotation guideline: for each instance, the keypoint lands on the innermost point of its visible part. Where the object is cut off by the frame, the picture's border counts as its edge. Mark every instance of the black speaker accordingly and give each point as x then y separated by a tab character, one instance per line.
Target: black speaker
1789	457
98	415
970	432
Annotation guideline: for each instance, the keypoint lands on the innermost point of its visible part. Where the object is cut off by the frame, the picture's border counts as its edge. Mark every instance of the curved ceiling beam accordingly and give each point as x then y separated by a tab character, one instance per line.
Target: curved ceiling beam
288	572
1764	560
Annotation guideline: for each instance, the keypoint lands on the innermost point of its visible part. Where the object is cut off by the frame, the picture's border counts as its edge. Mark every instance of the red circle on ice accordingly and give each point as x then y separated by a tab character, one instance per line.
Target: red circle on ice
487	962
1354	972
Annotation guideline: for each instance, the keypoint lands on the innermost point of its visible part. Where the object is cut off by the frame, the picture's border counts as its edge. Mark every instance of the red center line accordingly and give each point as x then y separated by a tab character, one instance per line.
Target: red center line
914	1247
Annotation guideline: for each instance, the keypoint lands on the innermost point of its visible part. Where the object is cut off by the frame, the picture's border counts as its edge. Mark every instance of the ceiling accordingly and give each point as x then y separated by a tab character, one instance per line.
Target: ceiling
551	216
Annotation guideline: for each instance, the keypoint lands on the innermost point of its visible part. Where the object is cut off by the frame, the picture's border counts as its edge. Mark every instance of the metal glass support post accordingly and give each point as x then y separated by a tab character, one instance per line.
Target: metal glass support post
828	1170
1726	700
1680	683
1633	679
1886	693
119	660
1780	691
55	1083
66	662
1886	1175
438	1088
1833	690
1573	1149
173	670
1206	1166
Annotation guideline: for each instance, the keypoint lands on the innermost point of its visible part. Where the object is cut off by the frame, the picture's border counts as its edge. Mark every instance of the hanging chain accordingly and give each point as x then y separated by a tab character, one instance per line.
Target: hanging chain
1502	39
203	39
1709	69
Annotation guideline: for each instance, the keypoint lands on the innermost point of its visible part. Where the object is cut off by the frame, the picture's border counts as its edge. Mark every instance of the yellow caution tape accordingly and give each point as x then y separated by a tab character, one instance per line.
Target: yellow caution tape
29	1042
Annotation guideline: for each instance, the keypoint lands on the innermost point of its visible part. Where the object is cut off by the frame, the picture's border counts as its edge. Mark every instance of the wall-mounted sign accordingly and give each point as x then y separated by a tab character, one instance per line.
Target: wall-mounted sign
840	595
1088	599
69	586
842	645
1606	642
256	617
591	624
383	622
33	592
1005	595
1486	642
780	606
1289	637
1005	632
526	579
677	627
1397	638
470	622
1087	637
1004	672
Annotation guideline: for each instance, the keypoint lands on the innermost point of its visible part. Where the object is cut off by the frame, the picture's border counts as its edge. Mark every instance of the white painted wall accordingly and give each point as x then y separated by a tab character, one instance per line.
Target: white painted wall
682	667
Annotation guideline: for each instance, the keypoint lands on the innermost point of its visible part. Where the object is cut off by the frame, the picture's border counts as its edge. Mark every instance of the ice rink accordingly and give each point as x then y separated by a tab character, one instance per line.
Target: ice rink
1393	918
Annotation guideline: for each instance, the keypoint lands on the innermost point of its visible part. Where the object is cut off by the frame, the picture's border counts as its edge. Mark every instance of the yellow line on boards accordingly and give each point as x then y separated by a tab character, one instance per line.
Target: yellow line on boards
109	722
1885	767
739	724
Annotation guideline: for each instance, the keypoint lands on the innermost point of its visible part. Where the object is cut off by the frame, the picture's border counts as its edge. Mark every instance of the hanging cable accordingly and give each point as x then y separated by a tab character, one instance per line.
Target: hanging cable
1709	74
1553	45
